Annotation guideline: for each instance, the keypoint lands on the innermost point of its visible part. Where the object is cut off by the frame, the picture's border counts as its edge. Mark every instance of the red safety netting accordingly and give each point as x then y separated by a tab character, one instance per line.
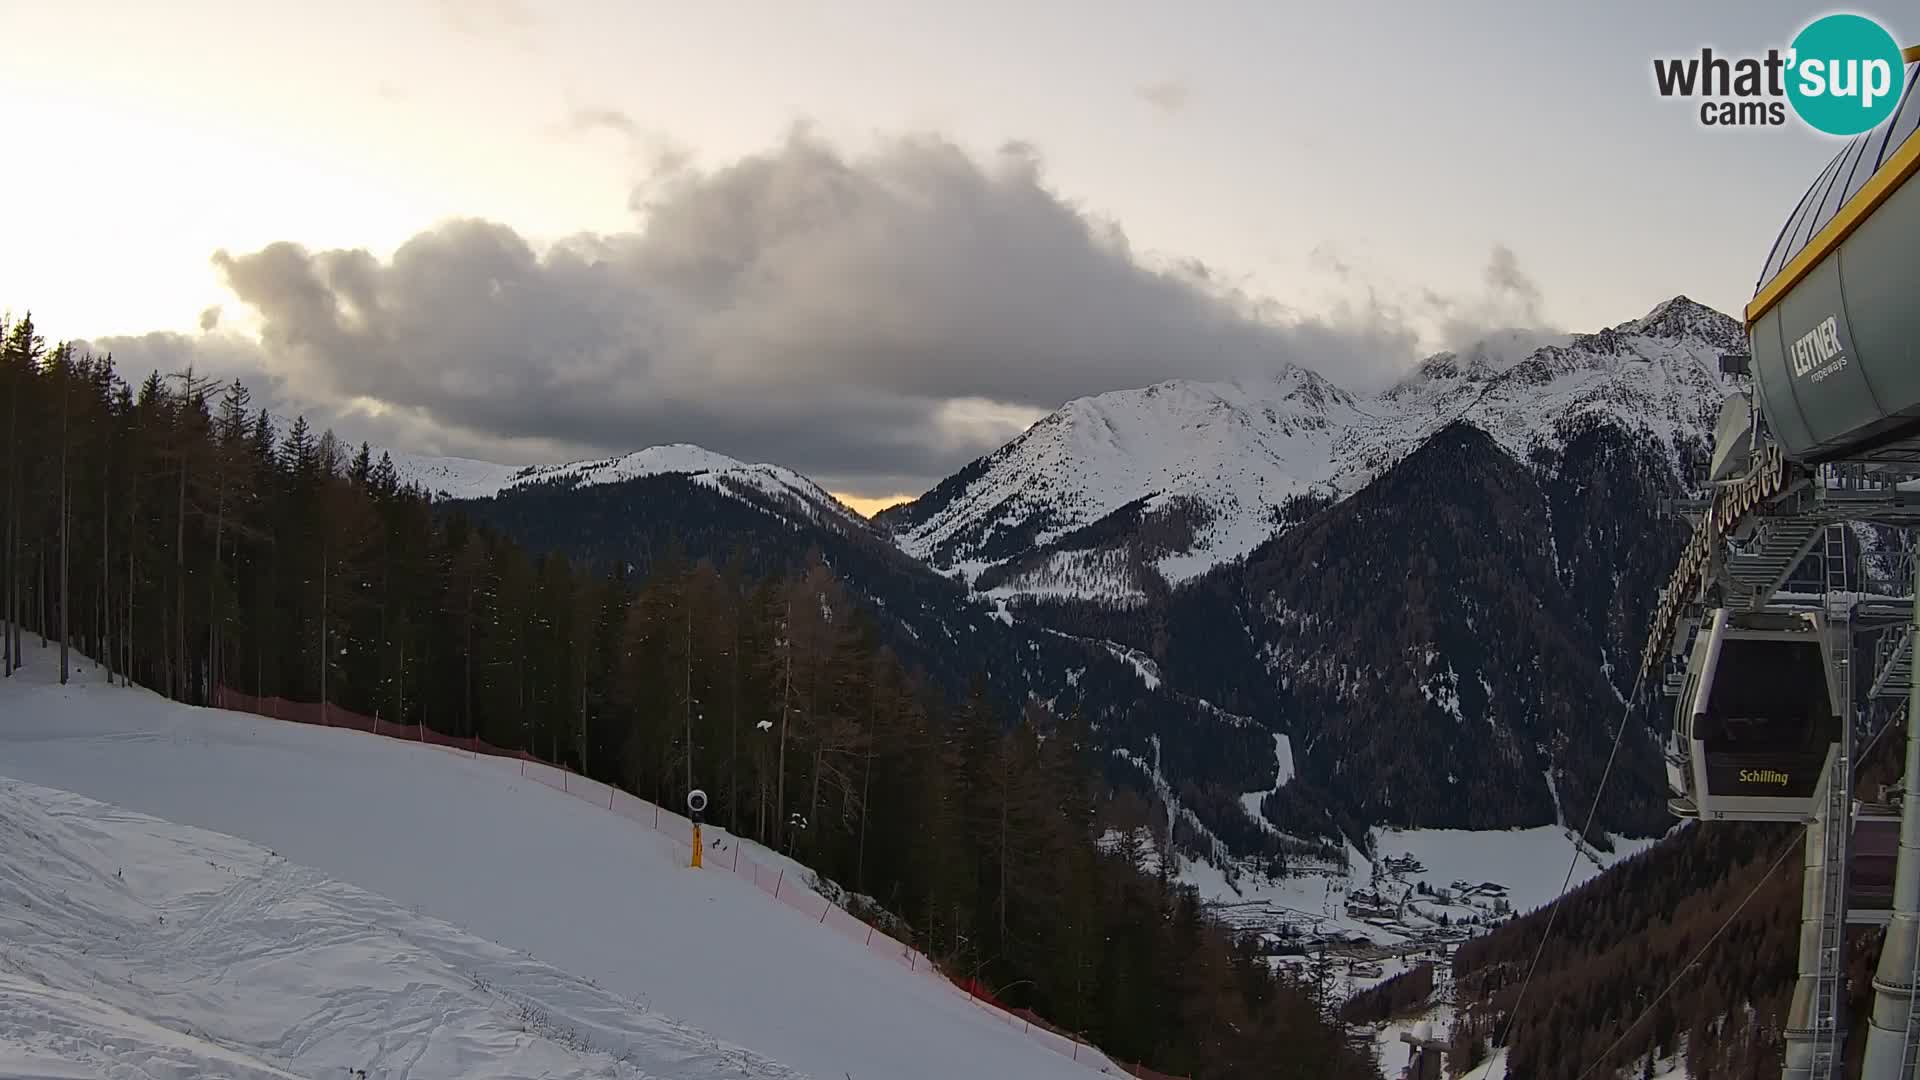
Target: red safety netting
721	851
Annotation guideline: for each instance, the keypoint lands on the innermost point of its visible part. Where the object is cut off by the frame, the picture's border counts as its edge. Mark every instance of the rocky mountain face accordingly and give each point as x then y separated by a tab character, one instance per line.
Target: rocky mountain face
1440	646
1435	592
1183	473
1450	583
1116	496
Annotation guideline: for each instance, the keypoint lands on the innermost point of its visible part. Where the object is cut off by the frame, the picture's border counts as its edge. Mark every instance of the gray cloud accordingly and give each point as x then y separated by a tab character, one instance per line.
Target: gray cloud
210	319
1166	95
823	310
1511	302
1509	284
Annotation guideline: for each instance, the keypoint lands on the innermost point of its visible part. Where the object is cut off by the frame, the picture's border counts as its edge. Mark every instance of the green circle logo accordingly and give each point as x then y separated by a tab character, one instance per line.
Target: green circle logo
1845	74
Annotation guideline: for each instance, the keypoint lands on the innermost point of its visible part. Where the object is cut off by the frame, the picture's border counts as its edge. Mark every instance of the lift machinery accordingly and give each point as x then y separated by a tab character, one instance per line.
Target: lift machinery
1762	662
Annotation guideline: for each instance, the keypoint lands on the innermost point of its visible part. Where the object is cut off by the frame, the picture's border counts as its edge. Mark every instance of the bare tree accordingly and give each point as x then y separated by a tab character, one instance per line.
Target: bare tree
63	370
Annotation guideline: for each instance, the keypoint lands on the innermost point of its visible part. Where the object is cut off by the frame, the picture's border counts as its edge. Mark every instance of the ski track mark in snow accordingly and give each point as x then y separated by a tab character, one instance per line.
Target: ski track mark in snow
606	902
1283	772
1142	664
136	946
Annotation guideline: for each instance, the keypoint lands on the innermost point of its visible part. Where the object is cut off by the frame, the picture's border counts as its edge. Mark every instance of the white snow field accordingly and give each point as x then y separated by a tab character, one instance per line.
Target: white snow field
131	946
607	902
1530	863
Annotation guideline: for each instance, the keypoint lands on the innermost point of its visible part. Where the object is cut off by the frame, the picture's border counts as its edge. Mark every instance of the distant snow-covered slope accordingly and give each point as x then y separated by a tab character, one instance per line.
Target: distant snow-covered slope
1201	473
454	477
465	478
1237	448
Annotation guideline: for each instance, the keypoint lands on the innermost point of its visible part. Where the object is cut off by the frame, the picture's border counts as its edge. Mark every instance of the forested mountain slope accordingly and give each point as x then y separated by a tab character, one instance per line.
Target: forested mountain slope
1460	593
1450	627
1621	939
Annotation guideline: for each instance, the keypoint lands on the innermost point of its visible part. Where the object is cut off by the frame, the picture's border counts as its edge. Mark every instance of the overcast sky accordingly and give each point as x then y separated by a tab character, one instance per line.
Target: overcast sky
870	240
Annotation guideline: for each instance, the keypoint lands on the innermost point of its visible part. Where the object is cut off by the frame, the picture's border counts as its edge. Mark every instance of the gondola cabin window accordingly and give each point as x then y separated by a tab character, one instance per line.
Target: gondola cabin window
1769	719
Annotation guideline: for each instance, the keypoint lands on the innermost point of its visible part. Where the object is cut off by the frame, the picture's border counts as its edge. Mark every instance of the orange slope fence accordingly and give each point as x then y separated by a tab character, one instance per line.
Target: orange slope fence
724	852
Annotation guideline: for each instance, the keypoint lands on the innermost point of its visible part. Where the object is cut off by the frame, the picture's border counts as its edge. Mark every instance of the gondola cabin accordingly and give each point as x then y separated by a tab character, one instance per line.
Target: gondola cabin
1756	725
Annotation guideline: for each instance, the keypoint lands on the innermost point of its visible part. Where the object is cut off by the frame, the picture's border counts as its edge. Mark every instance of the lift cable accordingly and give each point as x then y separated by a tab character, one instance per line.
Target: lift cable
1860	759
1553	909
1695	960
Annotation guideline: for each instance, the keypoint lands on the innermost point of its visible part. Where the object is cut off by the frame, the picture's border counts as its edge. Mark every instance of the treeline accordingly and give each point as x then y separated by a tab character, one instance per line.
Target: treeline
921	615
1423	635
1619	941
1622	938
1405	994
169	532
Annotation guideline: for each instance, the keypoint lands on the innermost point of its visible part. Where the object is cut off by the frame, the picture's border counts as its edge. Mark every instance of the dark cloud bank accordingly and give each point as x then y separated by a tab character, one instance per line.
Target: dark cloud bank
802	306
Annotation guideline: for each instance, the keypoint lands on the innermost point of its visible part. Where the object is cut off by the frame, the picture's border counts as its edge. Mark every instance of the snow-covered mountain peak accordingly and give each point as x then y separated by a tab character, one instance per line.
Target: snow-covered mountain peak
1212	459
1685	320
672	458
465	478
1486	358
1185	474
1206	469
1309	389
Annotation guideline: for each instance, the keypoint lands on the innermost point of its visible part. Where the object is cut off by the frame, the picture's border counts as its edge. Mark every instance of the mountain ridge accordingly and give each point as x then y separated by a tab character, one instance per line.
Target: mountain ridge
1140	556
1213	464
1226	458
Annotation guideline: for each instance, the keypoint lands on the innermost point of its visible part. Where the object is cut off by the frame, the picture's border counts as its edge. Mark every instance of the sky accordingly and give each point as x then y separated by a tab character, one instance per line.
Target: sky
867	240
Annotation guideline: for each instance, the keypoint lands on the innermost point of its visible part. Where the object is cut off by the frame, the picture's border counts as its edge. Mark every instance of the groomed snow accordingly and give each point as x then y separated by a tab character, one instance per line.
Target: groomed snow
512	860
1283	772
1282	760
131	946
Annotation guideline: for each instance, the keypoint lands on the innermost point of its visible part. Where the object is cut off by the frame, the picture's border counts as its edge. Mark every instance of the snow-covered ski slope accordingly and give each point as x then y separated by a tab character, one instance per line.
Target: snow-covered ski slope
132	946
511	860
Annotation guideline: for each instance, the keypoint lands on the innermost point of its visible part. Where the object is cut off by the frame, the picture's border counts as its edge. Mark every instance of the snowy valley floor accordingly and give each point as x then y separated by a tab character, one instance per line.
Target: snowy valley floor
269	964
